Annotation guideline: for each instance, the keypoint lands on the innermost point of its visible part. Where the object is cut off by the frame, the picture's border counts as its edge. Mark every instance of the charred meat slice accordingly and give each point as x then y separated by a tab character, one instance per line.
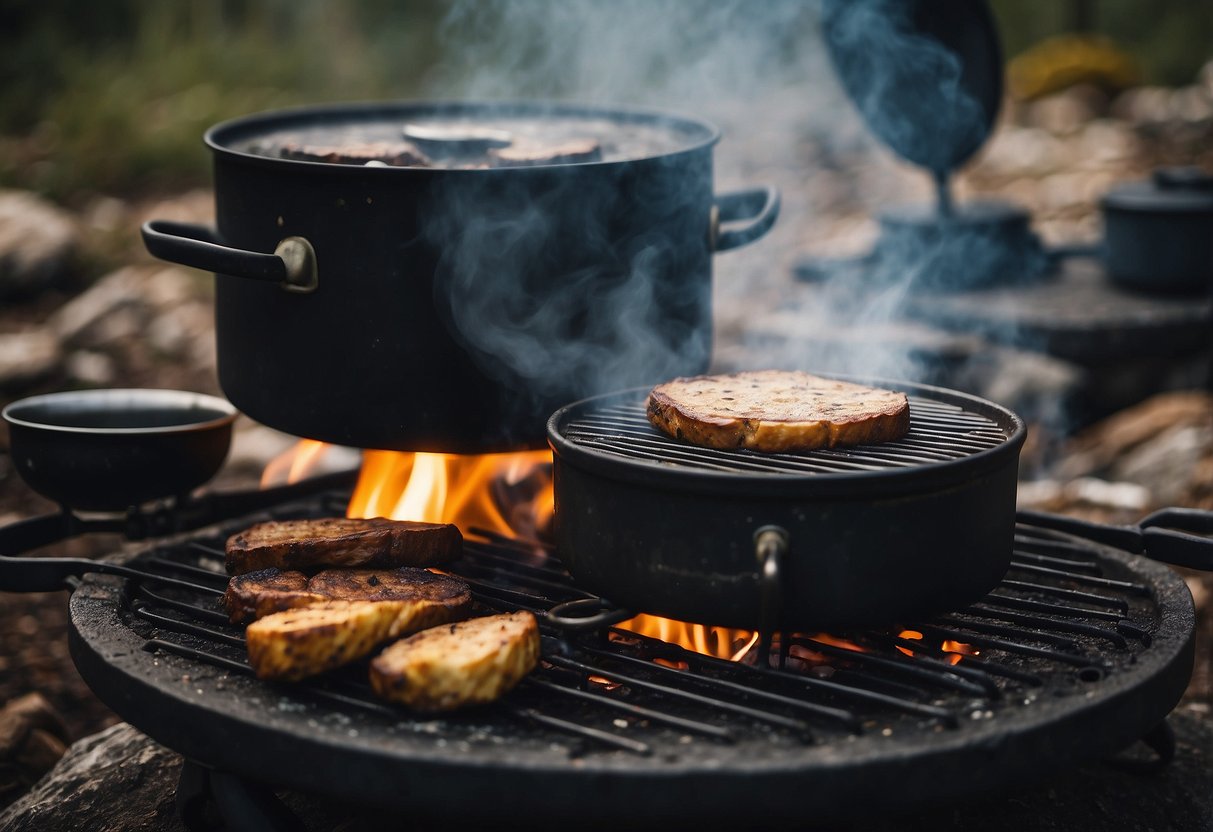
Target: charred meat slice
295	644
312	545
258	594
468	663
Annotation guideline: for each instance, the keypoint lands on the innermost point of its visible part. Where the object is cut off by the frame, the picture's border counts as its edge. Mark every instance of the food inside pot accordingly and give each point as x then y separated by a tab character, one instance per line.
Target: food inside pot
498	141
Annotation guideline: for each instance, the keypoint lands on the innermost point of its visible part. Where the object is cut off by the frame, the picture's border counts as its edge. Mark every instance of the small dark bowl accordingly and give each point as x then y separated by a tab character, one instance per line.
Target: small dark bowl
108	450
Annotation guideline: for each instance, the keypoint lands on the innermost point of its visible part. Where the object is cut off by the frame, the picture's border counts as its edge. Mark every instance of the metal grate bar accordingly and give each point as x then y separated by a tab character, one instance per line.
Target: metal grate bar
604	737
997	642
940	677
1090	580
631	709
689	696
1072	594
1111	636
1053	609
214	616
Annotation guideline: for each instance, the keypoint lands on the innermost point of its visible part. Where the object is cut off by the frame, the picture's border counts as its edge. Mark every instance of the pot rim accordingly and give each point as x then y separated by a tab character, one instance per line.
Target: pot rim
210	412
219	136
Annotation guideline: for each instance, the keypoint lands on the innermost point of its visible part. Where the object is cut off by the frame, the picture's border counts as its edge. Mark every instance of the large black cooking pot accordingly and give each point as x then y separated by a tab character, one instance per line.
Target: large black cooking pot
453	308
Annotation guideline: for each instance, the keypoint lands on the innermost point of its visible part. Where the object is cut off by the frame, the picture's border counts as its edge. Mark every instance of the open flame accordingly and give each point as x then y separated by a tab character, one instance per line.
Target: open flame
508	494
511	494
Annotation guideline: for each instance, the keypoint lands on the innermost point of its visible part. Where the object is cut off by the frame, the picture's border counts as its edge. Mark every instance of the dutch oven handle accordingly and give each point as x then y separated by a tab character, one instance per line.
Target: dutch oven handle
292	265
749	214
1172	535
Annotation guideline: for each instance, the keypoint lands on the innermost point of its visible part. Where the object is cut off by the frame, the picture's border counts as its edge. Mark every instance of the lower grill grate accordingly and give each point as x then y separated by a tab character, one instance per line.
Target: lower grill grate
1069	636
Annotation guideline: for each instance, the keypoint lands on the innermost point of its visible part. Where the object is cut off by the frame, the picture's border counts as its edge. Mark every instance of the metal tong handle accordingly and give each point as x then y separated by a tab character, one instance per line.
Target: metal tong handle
1177	536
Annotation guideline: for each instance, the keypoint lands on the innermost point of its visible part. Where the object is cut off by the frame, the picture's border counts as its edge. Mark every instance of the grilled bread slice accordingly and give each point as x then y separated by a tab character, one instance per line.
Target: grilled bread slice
471	662
314	544
295	644
257	594
266	591
775	410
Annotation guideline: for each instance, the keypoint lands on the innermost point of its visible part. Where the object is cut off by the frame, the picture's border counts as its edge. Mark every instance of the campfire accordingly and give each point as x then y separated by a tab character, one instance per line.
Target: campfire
510	495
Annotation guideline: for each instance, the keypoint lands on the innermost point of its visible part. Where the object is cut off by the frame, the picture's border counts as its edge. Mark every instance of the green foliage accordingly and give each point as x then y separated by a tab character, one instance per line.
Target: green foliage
118	102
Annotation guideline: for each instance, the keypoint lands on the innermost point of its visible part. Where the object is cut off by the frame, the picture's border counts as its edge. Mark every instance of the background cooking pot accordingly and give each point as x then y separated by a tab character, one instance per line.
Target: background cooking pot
443	309
1158	234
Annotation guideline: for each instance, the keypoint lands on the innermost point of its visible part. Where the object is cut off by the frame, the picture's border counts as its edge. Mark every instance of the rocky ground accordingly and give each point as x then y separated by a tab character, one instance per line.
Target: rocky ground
81	305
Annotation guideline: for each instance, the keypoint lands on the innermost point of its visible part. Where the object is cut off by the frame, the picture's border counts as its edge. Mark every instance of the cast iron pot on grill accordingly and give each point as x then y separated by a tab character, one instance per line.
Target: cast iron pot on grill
829	538
447	309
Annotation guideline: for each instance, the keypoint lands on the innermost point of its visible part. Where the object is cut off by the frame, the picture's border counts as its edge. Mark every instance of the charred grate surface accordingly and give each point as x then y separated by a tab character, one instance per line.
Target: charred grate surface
940	431
1081	648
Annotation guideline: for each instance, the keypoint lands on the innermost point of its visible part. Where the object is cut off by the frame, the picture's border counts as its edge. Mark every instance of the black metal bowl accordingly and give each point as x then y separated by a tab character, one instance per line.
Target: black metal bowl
107	450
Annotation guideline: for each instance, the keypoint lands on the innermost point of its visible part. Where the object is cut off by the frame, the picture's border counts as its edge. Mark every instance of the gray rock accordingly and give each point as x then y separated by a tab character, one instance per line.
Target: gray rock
118	778
37	243
112	308
26	357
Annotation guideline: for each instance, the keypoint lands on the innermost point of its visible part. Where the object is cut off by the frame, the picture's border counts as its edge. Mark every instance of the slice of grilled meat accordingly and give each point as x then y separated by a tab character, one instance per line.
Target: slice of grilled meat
468	663
266	591
776	410
295	644
371	543
257	594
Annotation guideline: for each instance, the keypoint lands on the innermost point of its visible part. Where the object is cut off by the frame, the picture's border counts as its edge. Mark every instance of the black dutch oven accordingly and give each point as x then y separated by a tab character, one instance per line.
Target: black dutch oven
453	308
832	538
1158	234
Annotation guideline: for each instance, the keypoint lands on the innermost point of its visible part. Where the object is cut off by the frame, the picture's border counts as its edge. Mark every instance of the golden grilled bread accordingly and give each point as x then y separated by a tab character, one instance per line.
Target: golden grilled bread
471	662
298	643
310	545
257	594
776	410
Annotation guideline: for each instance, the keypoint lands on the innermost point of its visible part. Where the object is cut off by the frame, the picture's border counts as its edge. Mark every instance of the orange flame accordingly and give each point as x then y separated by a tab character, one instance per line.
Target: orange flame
721	642
295	463
504	493
956	650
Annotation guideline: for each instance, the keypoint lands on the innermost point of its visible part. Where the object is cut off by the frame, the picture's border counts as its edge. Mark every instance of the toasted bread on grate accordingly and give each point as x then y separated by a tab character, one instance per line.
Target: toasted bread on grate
313	544
266	591
468	663
298	643
776	410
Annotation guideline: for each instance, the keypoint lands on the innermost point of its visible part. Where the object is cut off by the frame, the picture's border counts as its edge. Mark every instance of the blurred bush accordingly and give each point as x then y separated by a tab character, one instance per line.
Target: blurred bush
114	96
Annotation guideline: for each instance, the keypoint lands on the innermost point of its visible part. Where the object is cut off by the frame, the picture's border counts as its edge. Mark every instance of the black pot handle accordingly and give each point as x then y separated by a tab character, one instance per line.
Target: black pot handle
750	213
292	265
1172	535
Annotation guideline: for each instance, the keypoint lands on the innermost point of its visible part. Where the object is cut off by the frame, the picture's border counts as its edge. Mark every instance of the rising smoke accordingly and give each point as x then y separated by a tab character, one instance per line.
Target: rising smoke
759	70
